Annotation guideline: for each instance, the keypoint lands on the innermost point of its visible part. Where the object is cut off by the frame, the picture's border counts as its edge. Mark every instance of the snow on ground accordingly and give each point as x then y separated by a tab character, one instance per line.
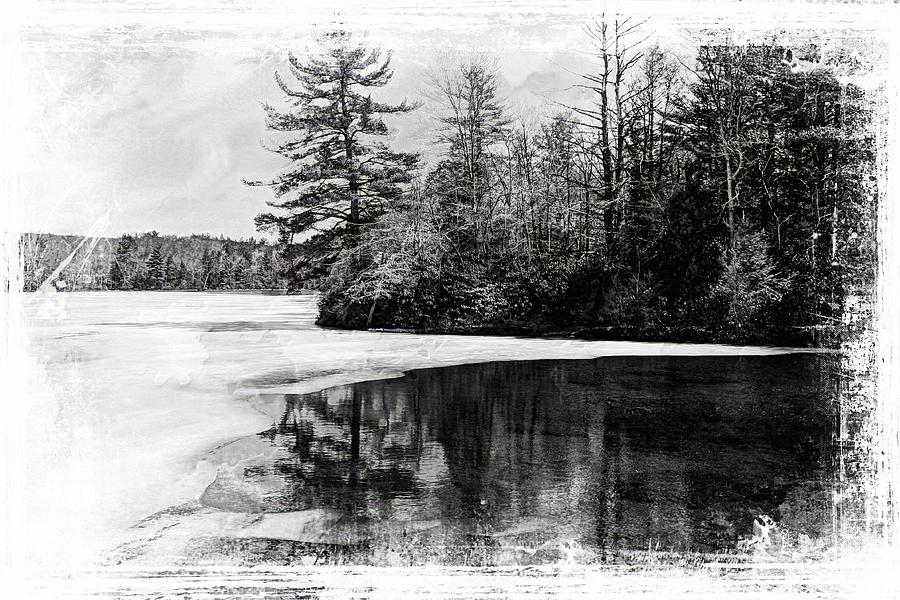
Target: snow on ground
129	391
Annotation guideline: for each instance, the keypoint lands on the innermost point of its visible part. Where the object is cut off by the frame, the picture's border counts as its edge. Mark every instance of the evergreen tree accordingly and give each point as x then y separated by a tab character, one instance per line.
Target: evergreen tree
724	121
171	274
341	176
239	274
116	276
184	277
265	276
155	268
121	271
749	287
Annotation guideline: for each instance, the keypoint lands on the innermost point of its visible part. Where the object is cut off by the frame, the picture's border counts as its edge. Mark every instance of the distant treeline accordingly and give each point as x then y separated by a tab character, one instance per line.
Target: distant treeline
149	261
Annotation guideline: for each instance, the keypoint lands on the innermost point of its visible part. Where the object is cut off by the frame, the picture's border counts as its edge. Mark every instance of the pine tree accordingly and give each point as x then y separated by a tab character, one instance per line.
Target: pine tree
750	284
266	275
155	268
120	269
116	276
185	279
724	120
171	274
238	275
341	176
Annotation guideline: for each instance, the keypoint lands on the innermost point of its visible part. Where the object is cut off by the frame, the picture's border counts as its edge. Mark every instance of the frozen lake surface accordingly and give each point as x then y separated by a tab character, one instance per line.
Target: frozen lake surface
187	414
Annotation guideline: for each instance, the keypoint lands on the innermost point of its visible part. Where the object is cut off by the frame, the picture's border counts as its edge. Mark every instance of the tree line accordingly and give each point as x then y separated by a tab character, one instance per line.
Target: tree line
150	261
726	197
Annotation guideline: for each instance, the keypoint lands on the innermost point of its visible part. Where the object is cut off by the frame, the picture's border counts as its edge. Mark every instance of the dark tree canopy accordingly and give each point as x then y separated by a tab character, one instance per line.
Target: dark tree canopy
342	175
728	198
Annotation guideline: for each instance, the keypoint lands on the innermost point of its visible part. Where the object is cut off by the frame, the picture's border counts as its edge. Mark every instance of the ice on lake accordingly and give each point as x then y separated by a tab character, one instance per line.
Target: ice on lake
130	393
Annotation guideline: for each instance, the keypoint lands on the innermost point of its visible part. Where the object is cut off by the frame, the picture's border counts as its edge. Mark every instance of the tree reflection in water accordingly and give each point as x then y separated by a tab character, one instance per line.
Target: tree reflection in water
615	453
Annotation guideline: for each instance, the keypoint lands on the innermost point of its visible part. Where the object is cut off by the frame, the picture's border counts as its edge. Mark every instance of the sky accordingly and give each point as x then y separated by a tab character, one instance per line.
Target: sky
149	119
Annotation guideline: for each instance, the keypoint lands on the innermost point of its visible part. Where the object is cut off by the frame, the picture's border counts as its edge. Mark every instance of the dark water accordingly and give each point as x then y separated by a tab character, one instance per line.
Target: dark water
677	453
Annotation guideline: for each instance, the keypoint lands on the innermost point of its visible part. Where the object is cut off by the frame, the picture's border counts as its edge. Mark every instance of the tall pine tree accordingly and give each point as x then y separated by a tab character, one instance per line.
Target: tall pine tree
341	175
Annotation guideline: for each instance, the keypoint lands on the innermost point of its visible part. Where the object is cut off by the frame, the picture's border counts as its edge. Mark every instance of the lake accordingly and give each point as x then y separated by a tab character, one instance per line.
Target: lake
517	460
229	428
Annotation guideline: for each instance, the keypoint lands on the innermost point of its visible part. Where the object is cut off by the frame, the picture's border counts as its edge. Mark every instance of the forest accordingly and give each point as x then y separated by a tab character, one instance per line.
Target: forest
149	261
725	196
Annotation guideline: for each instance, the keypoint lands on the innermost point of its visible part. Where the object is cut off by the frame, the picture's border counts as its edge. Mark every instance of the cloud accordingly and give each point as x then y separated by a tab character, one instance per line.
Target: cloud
161	121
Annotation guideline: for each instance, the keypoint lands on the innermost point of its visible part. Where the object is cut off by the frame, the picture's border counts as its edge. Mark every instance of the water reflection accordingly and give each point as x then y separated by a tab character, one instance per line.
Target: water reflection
616	453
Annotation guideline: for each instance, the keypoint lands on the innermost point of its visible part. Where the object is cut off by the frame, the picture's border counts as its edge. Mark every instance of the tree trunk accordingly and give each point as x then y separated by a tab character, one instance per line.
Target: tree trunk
729	189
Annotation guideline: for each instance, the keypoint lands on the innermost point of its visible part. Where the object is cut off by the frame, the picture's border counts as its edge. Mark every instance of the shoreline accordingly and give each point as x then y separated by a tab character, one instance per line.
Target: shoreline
592	334
135	390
